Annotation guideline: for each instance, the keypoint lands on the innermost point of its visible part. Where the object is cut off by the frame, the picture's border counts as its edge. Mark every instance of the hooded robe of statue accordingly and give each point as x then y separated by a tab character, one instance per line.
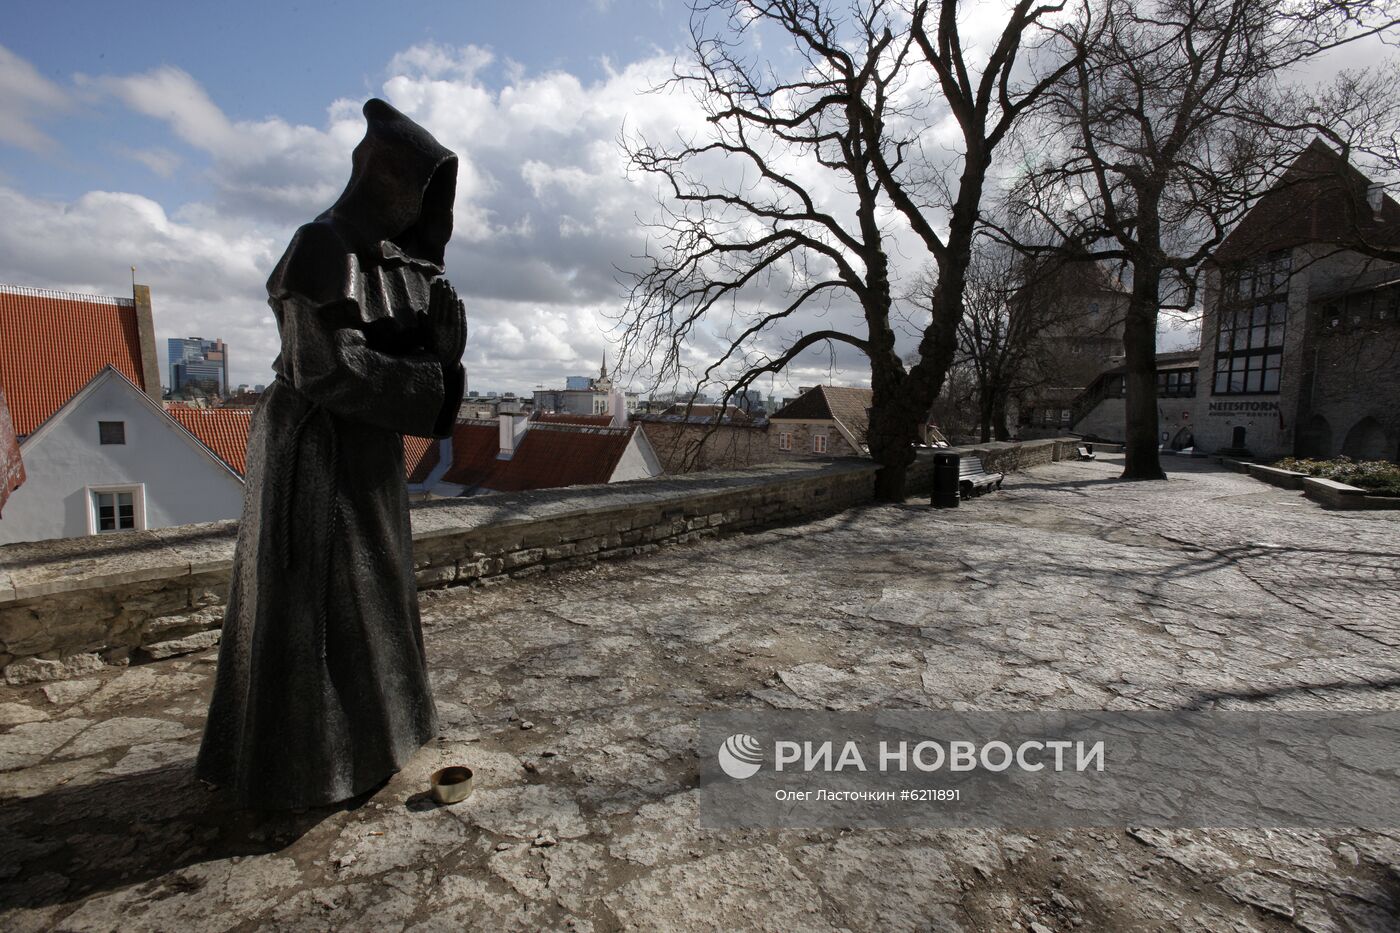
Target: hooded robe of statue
322	689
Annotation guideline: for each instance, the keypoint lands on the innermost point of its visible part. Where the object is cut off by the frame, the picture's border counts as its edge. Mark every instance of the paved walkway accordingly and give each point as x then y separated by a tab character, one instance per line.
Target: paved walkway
574	697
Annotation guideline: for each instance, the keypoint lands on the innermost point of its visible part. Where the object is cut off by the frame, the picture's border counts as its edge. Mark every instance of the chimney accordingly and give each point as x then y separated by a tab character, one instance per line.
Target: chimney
512	429
1375	196
617	407
146	332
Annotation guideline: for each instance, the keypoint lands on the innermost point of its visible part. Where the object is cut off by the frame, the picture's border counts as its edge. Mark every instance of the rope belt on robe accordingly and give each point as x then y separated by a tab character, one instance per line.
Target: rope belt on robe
327	520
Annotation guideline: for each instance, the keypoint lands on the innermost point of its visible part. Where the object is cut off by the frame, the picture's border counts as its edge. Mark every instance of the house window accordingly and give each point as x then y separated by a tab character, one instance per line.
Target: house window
1176	384
117	509
1065	415
1361	310
1250	329
111	432
785	441
818	443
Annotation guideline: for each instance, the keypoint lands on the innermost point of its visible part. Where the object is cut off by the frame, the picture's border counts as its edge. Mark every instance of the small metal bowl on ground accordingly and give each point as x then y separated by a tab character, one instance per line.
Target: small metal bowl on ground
451	785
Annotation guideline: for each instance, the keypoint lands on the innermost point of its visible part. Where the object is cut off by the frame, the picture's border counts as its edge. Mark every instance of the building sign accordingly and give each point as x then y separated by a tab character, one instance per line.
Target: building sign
1243	408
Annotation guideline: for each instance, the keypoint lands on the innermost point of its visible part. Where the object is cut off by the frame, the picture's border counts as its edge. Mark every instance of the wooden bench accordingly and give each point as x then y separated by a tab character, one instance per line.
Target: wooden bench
973	478
1084	452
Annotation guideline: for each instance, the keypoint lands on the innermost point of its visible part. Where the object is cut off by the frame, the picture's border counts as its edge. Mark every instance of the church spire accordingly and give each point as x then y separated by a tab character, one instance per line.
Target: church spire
603	373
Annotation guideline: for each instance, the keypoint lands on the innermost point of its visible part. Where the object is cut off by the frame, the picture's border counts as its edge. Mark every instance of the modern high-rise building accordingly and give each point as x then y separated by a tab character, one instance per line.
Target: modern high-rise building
200	363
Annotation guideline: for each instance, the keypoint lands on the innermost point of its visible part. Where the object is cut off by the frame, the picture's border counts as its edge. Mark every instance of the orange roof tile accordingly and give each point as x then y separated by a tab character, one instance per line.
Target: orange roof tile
420	455
222	430
548	456
53	343
225	432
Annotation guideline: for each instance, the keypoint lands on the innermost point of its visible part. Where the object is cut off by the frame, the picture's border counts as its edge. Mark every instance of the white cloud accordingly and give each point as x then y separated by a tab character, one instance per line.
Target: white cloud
160	161
25	96
545	210
204	279
441	61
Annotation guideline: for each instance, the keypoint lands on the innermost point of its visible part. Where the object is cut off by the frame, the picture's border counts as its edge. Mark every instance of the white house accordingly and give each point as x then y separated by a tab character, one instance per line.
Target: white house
111	460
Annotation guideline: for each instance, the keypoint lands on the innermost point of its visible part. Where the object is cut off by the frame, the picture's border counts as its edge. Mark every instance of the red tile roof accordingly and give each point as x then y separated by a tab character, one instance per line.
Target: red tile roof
1321	198
563	417
225	432
420	455
222	430
548	456
708	412
11	466
849	405
53	343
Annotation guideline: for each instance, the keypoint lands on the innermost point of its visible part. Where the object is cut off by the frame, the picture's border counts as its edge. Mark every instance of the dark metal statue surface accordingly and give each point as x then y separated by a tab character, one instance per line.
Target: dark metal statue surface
322	689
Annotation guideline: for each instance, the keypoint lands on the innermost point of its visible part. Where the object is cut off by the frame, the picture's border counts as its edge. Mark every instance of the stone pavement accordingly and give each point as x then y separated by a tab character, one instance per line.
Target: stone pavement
574	697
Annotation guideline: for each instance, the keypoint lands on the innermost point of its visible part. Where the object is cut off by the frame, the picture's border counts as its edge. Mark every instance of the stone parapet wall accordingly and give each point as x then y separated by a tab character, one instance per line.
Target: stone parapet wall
73	604
997	457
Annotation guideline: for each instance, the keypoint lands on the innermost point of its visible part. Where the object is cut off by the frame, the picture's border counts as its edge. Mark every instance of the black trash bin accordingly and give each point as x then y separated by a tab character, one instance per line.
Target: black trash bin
946	494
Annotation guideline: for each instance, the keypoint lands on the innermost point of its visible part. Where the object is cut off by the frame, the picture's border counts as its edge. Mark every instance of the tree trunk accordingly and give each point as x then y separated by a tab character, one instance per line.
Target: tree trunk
891	439
1141	459
894	416
999	425
986	412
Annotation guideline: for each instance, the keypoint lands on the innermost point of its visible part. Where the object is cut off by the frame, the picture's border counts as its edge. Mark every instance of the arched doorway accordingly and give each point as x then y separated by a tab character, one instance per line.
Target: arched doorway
1315	439
1366	441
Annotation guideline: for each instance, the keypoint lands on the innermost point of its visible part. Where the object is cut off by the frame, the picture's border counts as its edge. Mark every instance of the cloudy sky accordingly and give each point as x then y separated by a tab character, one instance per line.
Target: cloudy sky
191	139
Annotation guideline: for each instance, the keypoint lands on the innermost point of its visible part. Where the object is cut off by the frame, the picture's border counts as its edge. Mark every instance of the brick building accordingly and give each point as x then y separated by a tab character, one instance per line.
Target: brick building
705	439
1099	412
1082	337
1300	348
827	421
1300	335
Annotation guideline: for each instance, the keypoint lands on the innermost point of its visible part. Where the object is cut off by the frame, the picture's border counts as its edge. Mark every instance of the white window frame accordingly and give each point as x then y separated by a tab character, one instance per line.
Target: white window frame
785	440
819	445
138	506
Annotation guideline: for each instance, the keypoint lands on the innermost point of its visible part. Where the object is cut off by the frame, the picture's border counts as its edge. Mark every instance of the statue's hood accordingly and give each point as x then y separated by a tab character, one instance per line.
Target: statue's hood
402	186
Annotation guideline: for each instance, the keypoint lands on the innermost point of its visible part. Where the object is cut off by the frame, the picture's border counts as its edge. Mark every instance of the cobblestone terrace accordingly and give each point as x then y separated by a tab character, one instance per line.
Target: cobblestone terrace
573	696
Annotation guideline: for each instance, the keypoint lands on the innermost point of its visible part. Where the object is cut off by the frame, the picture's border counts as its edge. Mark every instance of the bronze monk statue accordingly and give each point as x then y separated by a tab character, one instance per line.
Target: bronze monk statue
322	690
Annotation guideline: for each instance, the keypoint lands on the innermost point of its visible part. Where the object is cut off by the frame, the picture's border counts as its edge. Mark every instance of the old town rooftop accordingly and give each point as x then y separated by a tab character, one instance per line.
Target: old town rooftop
574	695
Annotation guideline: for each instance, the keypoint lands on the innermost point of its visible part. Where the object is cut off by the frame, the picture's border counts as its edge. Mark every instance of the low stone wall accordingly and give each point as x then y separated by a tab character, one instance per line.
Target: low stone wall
1326	492
1287	479
1335	495
73	604
997	457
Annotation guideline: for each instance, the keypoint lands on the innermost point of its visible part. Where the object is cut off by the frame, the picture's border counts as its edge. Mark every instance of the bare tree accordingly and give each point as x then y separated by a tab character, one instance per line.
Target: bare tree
774	247
1019	312
1166	136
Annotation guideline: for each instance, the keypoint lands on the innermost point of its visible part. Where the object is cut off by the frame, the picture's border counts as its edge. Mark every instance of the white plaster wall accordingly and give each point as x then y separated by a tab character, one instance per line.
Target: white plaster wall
182	483
1106	419
638	460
